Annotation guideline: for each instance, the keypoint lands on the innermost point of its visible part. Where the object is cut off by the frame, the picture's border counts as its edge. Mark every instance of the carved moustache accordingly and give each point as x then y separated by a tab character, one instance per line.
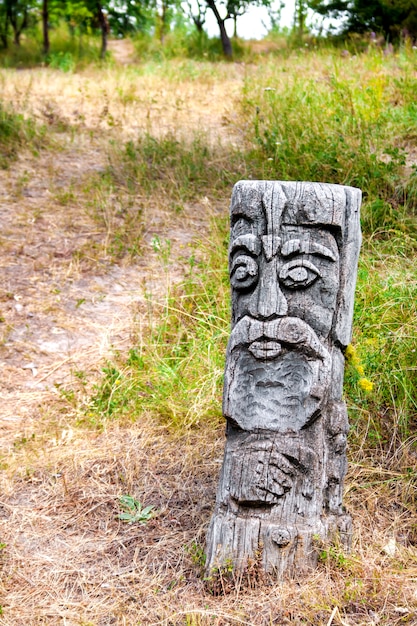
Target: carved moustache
266	339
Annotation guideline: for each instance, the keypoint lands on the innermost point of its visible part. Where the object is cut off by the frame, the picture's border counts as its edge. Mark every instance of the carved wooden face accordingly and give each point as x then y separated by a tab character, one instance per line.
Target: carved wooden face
285	278
286	270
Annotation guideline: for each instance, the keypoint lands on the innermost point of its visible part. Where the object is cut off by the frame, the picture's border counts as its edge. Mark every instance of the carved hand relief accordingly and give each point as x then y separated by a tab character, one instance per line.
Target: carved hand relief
292	260
264	470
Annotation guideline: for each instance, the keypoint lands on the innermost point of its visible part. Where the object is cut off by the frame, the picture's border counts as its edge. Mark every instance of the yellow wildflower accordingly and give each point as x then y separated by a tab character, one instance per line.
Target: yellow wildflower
366	385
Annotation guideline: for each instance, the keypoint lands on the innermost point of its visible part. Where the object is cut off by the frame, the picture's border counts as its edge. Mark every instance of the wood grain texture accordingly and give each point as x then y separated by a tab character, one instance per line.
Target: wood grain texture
293	260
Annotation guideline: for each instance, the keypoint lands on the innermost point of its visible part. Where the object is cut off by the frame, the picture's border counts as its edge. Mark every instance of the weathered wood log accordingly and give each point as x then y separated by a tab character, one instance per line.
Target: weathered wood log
293	260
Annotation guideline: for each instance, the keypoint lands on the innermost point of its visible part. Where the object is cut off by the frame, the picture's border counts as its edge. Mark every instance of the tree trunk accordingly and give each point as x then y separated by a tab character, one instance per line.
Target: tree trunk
224	37
280	492
4	30
104	27
163	18
45	26
198	24
17	30
300	17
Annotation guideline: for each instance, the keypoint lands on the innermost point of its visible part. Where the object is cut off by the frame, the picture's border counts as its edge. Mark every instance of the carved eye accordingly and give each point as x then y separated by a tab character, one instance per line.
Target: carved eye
298	274
244	272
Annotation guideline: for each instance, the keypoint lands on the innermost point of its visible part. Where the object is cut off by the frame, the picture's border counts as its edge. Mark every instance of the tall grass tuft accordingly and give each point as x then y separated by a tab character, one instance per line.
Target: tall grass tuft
16	131
381	386
175	168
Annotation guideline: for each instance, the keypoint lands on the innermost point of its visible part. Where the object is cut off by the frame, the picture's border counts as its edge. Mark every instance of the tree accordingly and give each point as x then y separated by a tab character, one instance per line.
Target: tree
45	26
104	27
4	26
232	8
300	17
274	15
128	16
17	15
197	13
391	18
221	21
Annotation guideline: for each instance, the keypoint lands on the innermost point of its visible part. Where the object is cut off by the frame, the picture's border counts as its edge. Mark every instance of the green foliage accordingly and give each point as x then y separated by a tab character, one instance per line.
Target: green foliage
15	132
335	556
197	554
391	19
134	513
385	339
179	43
62	61
344	129
67	51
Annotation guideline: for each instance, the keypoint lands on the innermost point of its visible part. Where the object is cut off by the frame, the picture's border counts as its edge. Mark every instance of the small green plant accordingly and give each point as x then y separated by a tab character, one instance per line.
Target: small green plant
197	554
336	556
133	512
63	61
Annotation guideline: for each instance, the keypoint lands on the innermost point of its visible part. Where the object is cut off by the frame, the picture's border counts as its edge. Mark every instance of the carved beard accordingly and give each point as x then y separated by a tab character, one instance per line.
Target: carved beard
283	394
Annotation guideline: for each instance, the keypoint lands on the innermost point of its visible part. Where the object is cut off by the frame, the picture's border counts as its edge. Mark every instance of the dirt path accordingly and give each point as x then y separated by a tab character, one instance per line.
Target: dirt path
63	312
122	50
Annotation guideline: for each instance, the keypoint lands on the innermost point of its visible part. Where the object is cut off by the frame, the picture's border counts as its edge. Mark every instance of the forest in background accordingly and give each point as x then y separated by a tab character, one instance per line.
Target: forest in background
39	20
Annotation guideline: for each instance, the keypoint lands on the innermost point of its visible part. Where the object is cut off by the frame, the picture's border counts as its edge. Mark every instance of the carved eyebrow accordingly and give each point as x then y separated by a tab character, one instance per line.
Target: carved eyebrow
250	242
299	246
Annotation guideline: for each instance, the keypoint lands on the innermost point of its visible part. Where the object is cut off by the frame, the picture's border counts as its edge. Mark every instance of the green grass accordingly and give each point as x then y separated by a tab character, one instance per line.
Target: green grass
346	121
16	132
180	43
385	338
66	53
175	371
173	168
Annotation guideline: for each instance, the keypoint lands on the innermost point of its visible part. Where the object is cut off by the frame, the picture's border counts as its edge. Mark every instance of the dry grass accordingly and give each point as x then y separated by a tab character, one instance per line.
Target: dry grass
179	97
68	559
67	303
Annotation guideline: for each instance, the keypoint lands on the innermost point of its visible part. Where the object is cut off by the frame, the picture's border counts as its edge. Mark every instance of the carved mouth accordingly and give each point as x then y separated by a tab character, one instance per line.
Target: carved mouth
265	349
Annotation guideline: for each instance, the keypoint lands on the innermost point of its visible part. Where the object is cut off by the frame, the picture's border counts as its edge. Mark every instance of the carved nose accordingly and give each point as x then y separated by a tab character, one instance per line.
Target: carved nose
268	300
